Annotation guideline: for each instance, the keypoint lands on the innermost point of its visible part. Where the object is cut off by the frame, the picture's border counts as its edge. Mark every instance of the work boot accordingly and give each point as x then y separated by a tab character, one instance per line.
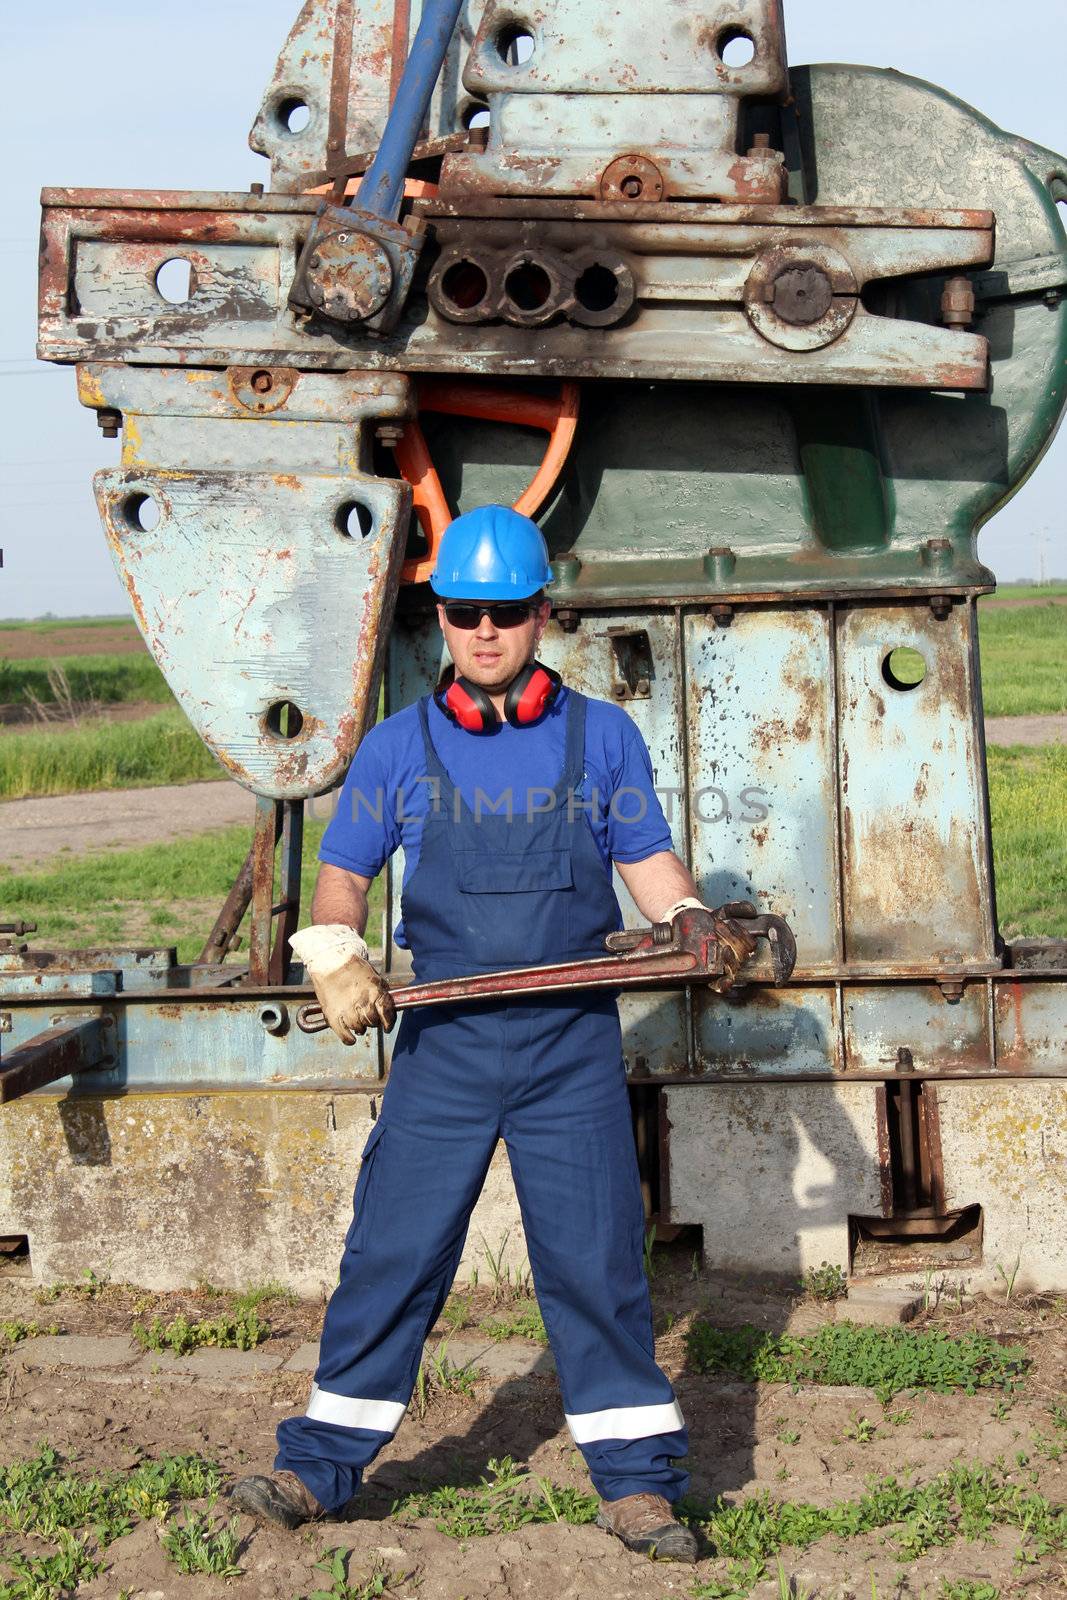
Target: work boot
645	1522
282	1498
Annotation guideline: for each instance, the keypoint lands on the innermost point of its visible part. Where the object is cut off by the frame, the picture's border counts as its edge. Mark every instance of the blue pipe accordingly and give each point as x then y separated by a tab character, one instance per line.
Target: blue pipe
383	184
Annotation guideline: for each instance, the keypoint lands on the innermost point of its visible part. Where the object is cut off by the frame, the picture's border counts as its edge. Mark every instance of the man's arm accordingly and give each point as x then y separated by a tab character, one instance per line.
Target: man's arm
657	883
341	896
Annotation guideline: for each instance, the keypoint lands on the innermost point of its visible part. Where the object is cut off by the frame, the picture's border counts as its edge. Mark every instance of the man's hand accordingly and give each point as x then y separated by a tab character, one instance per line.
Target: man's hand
736	945
353	996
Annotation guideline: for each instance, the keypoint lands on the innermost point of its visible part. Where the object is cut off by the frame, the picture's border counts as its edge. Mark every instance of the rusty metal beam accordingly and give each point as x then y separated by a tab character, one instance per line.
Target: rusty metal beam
70	1047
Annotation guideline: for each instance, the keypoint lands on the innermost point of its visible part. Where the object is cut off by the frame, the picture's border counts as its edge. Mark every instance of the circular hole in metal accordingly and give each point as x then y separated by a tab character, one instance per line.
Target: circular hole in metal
354	519
175	280
464	284
293	114
528	286
140	511
631	186
284	719
274	1018
903	668
514	44
736	48
476	115
262	382
597	289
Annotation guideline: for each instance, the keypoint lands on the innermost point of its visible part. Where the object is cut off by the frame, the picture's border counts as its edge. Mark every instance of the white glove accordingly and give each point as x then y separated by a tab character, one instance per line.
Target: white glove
353	996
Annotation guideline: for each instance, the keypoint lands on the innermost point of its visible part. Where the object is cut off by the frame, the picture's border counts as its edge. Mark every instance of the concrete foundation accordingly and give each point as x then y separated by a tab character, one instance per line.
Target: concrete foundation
166	1190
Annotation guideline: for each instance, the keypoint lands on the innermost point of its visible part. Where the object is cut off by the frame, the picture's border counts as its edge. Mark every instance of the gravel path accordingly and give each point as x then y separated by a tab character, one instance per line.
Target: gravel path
1026	730
35	831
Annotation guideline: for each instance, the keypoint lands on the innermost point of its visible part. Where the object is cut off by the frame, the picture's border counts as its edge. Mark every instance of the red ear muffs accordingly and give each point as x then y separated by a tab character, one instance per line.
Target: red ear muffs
466	705
529	696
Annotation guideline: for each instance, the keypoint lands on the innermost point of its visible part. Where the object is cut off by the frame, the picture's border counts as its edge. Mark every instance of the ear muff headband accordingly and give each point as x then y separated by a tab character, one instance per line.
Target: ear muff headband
529	696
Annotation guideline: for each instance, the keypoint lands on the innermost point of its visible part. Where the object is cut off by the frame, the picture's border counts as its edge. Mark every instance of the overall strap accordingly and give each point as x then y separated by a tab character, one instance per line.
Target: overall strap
574	745
434	765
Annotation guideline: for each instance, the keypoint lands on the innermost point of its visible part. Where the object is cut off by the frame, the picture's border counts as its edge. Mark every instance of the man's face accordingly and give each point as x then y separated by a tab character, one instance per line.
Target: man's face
490	656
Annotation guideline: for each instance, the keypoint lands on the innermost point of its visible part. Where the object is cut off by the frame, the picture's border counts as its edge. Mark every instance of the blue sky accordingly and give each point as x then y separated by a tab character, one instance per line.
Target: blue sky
144	96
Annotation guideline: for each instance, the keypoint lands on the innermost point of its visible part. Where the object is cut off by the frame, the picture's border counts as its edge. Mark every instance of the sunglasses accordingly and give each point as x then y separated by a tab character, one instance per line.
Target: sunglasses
503	614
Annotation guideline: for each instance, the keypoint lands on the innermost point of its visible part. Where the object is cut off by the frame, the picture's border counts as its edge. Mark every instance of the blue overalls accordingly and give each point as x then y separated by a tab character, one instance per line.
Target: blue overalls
546	1075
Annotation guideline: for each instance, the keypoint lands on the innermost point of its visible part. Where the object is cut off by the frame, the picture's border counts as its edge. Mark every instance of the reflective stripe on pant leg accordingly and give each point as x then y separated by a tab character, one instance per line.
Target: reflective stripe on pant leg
625	1422
379	1416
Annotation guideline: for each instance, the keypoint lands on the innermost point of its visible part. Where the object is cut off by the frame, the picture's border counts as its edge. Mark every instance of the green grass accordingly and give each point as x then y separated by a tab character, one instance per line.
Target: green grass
195	1545
161	894
1024	591
179	1336
964	1502
107	680
506	1499
112	755
884	1359
335	1564
55	624
1028	807
1023	653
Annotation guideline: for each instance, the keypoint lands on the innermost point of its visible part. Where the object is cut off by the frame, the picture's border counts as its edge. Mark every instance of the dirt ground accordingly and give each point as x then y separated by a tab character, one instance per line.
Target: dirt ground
745	1439
27	644
35	831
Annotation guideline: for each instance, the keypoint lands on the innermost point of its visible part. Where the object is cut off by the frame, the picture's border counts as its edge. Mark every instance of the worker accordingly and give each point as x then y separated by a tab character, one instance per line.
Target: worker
512	797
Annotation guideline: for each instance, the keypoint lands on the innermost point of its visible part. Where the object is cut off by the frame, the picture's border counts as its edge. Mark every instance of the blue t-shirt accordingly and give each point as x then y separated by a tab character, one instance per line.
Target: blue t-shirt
388	791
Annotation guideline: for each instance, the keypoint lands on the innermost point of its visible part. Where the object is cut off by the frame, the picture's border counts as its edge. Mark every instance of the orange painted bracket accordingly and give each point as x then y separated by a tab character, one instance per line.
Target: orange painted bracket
488	402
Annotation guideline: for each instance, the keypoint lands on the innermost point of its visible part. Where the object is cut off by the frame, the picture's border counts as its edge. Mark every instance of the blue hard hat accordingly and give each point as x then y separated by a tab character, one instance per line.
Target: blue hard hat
493	553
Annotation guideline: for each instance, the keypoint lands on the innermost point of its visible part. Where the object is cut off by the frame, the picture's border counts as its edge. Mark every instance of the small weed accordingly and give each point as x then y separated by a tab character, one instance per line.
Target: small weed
737	1582
650	1265
240	1332
694	1266
500	1502
194	1545
335	1565
825	1282
523	1321
447	1377
250	1299
12	1333
49	1577
861	1430
1008	1279
899	1418
1058	1413
782	1474
788	1588
967	1589
789	1436
504	1284
457	1312
1002	1407
885	1359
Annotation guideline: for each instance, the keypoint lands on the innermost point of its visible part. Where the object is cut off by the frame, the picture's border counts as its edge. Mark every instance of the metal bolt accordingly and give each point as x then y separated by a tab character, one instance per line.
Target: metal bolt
957	302
262	382
952	991
761	143
390	434
905	1059
316	261
631	187
5	1021
723	615
941	605
256	188
568	620
802	294
109	421
478	138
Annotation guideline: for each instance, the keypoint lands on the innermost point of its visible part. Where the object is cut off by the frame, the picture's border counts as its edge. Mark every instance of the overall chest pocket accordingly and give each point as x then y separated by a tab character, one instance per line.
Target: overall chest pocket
490	871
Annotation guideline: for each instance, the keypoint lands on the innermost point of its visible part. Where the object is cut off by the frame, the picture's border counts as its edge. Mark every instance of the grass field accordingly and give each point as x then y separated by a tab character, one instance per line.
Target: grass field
1028	806
104	755
161	894
60	624
1024	660
108	680
1024	591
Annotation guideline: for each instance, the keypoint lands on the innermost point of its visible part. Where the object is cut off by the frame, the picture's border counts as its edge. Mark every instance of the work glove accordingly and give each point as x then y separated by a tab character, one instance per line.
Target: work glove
736	945
353	996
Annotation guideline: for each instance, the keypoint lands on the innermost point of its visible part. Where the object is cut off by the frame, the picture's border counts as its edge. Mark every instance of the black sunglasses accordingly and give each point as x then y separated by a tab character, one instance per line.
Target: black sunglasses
503	614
